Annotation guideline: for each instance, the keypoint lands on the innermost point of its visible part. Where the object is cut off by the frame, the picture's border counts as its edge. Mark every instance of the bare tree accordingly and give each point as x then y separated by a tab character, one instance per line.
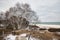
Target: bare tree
27	12
20	16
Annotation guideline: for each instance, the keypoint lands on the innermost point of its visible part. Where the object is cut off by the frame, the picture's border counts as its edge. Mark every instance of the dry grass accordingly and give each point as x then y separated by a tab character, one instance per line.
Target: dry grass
37	34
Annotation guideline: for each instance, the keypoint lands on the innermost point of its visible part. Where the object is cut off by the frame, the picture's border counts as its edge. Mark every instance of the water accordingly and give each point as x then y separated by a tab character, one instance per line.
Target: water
50	23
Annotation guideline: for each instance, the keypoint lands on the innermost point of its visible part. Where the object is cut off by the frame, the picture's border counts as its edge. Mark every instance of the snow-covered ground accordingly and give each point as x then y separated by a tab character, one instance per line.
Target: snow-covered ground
48	26
23	36
10	37
20	37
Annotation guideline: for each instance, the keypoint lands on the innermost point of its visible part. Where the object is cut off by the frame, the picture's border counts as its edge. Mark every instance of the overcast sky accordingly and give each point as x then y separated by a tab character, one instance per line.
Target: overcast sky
47	10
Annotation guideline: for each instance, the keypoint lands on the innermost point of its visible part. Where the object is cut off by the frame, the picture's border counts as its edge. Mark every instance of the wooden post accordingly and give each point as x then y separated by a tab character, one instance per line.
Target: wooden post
3	32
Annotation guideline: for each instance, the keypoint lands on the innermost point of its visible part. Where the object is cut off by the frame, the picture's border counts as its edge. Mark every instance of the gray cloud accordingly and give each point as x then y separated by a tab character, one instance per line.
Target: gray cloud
51	12
48	10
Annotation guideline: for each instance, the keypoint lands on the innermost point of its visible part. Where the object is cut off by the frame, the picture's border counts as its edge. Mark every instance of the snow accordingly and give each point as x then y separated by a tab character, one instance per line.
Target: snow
20	37
10	37
23	34
47	26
